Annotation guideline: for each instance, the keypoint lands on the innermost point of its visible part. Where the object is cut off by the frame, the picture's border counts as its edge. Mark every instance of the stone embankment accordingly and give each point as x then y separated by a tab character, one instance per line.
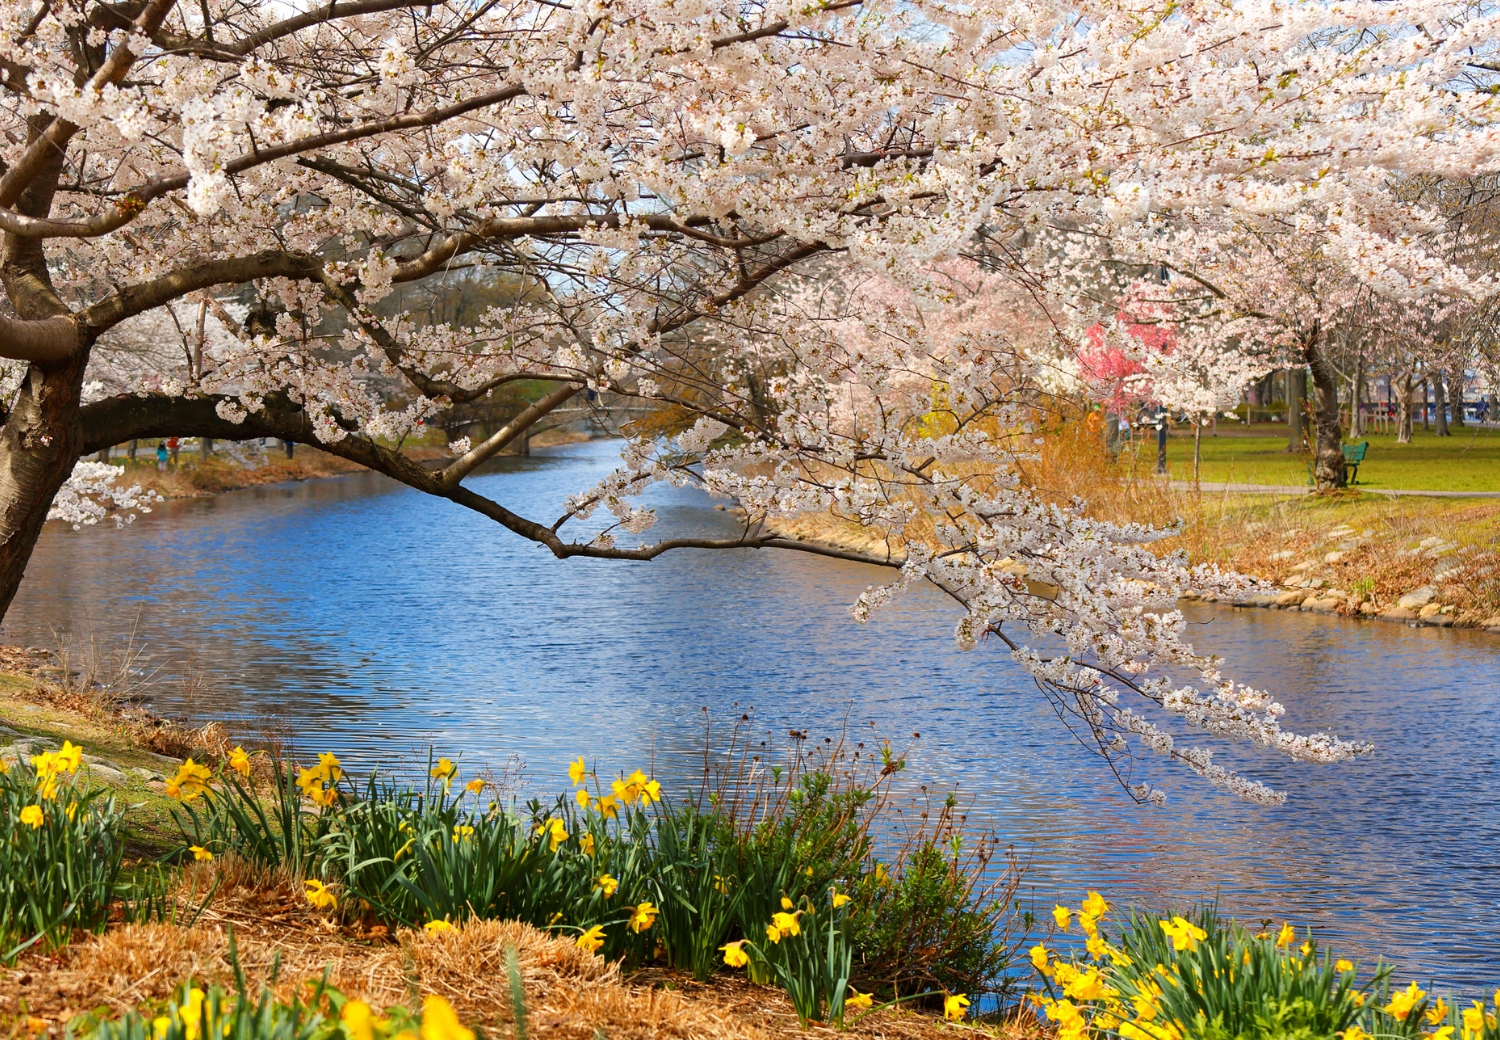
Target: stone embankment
1312	584
1312	587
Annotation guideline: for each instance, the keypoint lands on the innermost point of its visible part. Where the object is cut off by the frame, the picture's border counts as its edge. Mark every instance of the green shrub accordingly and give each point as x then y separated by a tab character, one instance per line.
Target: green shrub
60	852
632	874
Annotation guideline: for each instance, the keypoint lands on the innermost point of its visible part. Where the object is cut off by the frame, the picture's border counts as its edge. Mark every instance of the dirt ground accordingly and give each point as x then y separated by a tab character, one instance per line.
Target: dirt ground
569	993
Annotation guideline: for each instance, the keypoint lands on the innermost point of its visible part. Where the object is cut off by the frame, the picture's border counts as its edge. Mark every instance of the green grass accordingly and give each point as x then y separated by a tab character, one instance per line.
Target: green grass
1467	461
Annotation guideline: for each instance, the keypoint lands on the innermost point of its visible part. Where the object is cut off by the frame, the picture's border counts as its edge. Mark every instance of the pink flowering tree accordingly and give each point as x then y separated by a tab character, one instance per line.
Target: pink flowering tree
208	208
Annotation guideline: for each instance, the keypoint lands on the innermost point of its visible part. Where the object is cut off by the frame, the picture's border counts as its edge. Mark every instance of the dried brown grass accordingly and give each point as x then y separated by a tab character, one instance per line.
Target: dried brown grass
281	942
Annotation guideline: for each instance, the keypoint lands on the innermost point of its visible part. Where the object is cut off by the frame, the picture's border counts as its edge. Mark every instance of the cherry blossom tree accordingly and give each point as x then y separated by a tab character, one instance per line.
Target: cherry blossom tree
695	204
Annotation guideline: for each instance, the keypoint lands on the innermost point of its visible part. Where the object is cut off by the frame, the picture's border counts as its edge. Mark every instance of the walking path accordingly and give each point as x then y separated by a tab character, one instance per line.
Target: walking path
1284	489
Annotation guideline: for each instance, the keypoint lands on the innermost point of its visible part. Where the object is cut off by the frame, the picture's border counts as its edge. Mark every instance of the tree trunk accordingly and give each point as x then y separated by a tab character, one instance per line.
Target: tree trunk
1426	420
1440	404
1328	460
1356	397
1456	398
206	446
39	445
1197	447
134	444
1296	392
1405	392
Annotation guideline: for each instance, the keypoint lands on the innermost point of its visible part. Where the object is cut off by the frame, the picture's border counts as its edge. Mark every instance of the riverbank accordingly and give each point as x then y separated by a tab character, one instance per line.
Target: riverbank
194	476
229	914
1358	556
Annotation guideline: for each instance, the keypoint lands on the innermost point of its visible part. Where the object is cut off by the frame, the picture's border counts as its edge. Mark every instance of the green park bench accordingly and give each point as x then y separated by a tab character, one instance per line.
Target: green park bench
1354	454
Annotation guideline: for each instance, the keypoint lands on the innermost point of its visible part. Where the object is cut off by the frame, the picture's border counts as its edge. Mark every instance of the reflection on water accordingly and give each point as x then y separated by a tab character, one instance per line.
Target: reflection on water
356	615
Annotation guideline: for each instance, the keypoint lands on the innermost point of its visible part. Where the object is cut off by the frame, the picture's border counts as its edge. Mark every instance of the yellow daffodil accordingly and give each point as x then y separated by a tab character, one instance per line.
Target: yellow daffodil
1355	1033
721	885
1437	1012
47	789
1062	915
358	1019
609	807
586	843
332	769
1342	965
1445	1033
1095	906
786	924
607	885
191	1014
239	761
190	781
1402	1001
1096	947
881	876
1089	925
437	926
953	1006
1039	959
555	830
773	933
439	1022
200	854
650	792
577	771
839	899
591	940
581	796
445	771
4	766
32	816
1473	1020
462	831
642	917
1184	934
856	999
786	904
1089	985
70	758
734	954
320	896
1286	936
475	786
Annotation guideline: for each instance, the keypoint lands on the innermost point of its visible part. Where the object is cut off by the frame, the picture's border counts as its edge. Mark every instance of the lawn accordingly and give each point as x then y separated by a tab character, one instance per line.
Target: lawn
1467	461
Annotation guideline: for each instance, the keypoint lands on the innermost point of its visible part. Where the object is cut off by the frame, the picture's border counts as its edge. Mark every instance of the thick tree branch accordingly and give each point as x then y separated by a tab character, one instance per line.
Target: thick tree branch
131	300
49	341
490	446
55	138
118	419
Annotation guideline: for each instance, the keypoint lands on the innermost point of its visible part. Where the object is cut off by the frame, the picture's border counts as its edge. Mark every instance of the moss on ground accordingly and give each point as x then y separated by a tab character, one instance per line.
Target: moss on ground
32	708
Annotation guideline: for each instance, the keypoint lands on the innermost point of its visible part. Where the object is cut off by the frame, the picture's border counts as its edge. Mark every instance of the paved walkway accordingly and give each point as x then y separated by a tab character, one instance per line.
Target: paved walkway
1302	489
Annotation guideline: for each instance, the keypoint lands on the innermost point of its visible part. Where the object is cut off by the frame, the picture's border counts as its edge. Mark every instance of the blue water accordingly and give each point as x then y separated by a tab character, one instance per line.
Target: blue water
358	616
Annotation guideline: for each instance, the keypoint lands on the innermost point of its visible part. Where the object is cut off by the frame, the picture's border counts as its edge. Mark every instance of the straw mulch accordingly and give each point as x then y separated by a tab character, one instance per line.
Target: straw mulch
570	993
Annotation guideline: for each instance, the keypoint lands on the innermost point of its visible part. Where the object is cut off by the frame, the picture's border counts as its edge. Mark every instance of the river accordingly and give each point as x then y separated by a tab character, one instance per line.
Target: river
355	615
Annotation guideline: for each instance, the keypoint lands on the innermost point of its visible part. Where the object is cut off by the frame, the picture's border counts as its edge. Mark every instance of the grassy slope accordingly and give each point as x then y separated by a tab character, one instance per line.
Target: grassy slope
25	709
1467	461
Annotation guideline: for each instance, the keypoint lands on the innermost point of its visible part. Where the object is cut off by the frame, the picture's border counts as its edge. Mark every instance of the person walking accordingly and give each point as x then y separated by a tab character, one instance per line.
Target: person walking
161	456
